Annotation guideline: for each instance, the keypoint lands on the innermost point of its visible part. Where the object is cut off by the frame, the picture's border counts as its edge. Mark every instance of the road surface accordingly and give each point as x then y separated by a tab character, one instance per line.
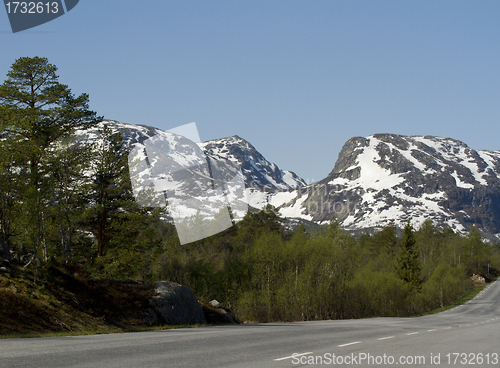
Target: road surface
466	336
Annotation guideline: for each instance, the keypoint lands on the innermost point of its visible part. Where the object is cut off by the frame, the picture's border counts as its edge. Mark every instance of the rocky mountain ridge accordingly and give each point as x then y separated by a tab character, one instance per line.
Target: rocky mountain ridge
388	178
259	173
233	151
376	180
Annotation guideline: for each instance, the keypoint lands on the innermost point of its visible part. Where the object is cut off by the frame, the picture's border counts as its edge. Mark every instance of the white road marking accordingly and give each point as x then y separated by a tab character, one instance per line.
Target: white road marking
431	330
411	333
385	338
351	343
291	356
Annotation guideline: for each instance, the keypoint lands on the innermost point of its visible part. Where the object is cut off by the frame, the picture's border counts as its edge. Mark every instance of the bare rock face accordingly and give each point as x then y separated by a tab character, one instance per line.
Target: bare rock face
174	304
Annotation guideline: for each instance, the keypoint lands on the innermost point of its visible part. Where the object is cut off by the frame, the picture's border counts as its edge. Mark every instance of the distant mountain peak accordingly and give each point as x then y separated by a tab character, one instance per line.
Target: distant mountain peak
258	172
392	178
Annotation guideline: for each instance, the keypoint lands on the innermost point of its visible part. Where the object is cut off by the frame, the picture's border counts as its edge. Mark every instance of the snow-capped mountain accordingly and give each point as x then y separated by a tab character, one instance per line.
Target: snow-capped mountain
376	180
196	179
259	173
387	178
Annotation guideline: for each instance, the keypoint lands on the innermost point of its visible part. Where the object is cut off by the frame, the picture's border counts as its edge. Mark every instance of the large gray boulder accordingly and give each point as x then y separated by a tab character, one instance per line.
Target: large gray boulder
174	304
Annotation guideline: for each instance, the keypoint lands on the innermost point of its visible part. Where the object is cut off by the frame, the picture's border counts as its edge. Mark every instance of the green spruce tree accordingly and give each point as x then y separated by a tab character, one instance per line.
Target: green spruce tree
408	264
110	192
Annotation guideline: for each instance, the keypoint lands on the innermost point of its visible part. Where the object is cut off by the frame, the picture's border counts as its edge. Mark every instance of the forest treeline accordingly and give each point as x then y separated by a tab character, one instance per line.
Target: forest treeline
71	202
267	272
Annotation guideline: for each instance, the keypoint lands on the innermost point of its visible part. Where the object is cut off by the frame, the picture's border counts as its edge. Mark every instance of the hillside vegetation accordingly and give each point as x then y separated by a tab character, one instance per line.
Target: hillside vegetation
261	270
268	273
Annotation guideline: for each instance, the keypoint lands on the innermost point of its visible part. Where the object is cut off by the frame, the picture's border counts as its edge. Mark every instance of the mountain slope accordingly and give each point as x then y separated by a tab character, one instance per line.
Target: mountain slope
387	178
234	151
259	172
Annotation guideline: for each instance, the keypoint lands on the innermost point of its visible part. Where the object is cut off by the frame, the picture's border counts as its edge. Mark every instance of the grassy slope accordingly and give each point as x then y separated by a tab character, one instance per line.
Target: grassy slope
464	299
67	300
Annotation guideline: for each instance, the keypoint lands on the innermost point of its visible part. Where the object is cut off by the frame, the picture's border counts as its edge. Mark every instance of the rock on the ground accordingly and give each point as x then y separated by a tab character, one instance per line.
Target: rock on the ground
174	304
216	313
214	303
478	279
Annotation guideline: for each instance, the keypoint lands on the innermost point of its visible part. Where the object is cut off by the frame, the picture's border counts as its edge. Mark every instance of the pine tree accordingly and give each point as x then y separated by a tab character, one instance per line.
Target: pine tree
110	191
408	265
36	112
41	110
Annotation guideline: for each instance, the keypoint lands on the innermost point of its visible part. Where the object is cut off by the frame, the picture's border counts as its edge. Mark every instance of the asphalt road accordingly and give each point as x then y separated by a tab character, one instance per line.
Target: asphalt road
466	336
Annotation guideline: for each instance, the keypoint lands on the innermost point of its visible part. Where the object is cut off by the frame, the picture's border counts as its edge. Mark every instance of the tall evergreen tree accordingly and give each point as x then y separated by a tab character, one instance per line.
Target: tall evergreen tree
41	110
408	265
110	190
36	111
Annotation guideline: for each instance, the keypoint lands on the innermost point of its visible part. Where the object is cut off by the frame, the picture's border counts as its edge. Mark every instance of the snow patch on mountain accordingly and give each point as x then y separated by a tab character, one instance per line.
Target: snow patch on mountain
372	175
460	183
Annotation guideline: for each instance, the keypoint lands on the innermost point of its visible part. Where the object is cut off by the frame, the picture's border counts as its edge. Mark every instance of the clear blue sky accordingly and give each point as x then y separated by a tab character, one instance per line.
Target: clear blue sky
295	78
